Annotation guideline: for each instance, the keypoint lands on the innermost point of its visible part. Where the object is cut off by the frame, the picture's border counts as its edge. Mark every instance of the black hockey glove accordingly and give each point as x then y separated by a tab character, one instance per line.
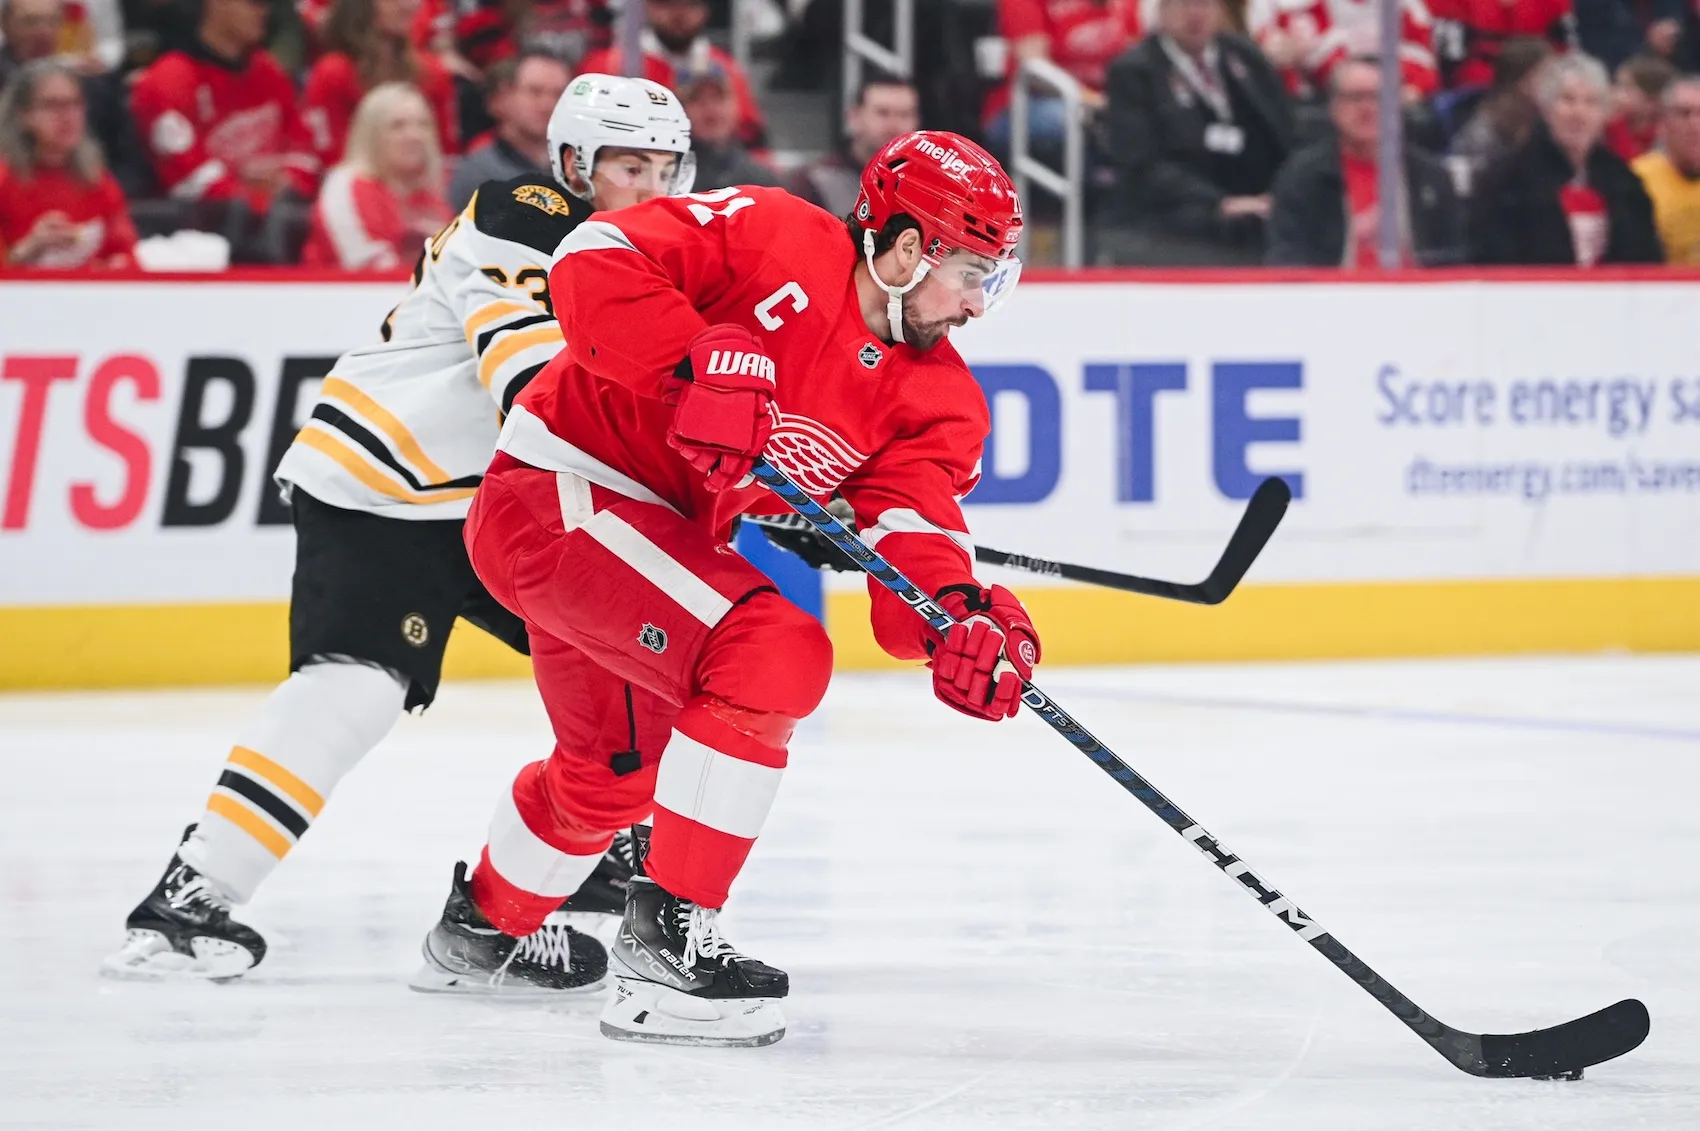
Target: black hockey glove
795	533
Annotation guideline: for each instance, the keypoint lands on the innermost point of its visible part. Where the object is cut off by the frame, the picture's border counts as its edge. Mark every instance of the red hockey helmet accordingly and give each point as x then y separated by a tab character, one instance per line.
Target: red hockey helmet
962	200
955	190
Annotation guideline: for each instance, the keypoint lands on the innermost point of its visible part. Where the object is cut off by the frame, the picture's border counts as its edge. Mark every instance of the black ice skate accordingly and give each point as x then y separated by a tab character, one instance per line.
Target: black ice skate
604	893
464	954
676	981
183	929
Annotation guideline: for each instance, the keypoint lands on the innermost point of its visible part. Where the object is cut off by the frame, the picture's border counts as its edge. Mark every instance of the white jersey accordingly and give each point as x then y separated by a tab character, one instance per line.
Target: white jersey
405	428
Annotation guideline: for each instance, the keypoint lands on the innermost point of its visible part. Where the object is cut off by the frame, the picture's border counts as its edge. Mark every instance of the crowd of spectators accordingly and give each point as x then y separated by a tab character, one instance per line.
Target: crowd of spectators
341	133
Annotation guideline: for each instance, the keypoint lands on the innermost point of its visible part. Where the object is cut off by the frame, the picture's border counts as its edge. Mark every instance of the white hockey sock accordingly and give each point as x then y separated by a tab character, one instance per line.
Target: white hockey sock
311	731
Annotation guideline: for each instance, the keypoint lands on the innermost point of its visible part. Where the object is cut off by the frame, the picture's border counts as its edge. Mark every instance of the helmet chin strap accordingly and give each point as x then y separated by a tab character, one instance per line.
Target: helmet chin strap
894	299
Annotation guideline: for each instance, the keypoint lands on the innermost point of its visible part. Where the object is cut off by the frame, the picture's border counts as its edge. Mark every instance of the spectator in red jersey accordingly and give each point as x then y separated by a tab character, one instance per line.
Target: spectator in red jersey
674	45
1080	36
1325	207
219	117
1474	33
522	95
368	43
59	207
1506	114
1635	97
1564	198
386	197
712	104
1306	39
886	108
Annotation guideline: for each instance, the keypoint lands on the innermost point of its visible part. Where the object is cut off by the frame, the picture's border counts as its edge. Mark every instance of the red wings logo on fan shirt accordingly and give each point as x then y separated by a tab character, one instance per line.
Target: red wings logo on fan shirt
815	457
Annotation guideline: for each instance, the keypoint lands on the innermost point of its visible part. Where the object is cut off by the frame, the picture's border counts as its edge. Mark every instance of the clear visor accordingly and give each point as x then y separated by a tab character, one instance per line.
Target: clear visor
658	171
984	283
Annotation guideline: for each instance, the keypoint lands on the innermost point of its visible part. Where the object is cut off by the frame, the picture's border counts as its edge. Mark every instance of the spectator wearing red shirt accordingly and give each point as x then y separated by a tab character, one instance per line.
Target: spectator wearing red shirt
368	43
1473	32
1635	97
1564	198
219	118
385	199
674	46
1080	36
1306	39
59	207
1325	207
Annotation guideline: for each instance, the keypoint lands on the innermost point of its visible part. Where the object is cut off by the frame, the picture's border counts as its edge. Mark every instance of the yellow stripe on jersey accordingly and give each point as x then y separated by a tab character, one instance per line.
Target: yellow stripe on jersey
299	791
386	422
245	819
490	312
330	444
512	344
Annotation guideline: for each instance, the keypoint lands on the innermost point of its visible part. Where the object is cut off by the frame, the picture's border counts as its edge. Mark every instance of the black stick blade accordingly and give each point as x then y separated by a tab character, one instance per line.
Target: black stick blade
1567	1048
1262	515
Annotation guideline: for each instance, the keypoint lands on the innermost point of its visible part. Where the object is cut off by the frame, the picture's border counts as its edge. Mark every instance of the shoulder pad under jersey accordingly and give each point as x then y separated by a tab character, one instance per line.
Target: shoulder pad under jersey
531	210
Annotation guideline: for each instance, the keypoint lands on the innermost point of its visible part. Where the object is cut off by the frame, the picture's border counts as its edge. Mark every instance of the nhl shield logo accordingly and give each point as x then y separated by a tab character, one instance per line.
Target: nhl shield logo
655	639
869	356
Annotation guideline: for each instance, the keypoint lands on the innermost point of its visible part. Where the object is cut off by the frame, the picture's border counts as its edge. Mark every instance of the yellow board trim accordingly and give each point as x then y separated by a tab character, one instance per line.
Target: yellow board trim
386	422
303	794
240	816
513	344
1336	621
180	645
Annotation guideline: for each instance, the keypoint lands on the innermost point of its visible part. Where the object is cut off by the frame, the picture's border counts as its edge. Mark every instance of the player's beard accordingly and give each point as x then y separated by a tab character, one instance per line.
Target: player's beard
925	335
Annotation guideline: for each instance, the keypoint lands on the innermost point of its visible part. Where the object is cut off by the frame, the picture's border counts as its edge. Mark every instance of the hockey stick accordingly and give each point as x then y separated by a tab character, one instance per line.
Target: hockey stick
1563	1050
1262	515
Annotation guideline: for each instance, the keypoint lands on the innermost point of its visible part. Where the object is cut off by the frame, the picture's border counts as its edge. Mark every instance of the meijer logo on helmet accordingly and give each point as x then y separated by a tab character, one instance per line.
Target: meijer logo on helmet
738	362
949	160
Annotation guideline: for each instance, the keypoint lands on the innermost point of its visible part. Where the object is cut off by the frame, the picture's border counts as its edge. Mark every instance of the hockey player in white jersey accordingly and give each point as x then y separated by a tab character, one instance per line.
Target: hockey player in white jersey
379	481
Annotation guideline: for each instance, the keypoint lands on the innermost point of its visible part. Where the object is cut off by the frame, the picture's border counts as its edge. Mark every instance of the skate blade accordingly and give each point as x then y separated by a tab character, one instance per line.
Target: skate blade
650	1013
147	956
431	979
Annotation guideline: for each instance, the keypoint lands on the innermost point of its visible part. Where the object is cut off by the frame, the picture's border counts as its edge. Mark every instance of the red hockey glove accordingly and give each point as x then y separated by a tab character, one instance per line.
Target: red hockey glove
979	667
721	395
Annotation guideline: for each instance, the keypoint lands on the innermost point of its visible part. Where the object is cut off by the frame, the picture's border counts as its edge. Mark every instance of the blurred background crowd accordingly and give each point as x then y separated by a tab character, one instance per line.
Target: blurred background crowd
338	134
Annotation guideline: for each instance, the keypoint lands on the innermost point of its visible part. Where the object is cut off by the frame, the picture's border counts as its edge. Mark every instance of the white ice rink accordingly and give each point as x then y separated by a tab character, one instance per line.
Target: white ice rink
982	930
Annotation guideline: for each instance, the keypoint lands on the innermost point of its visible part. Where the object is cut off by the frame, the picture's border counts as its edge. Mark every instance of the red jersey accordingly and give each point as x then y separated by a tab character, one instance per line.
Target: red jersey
897	431
105	236
1338	29
1475	30
360	224
214	128
1085	35
334	91
667	70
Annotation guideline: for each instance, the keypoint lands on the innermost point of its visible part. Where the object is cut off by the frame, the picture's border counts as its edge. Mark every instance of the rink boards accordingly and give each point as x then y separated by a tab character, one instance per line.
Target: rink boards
1478	466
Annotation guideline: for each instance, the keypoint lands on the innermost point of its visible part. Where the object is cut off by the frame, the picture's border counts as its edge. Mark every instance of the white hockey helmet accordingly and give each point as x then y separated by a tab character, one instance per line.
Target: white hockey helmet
603	110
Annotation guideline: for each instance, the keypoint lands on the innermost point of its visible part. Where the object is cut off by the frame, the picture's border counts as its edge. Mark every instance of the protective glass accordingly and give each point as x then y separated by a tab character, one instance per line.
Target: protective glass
967	275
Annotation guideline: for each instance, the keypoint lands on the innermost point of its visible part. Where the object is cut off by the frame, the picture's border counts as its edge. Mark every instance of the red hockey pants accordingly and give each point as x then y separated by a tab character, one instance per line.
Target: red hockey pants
672	672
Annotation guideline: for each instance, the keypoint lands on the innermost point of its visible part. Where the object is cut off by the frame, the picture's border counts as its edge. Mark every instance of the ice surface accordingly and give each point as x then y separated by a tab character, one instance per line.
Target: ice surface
981	929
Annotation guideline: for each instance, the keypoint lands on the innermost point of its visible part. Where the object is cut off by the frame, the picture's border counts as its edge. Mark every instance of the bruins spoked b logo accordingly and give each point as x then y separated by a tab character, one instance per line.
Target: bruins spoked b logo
653	638
414	630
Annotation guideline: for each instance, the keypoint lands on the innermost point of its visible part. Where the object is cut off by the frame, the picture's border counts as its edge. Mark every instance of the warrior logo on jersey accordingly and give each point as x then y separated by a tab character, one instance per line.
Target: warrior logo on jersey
414	630
869	356
541	197
655	639
815	457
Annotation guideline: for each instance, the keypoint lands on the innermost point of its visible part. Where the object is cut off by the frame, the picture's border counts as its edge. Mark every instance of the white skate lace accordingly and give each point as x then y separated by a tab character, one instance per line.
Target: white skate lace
702	935
196	892
549	946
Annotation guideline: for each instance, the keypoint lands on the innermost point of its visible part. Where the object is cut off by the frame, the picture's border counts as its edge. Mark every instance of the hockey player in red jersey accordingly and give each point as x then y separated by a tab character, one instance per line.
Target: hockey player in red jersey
703	332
